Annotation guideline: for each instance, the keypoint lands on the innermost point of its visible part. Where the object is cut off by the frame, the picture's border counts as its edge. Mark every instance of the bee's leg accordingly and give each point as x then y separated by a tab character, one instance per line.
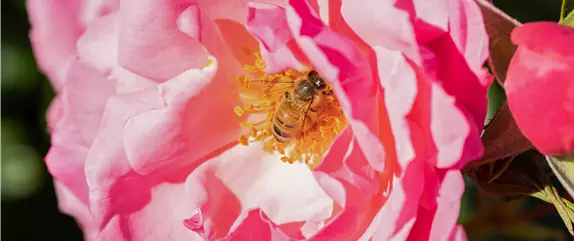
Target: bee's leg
305	117
327	92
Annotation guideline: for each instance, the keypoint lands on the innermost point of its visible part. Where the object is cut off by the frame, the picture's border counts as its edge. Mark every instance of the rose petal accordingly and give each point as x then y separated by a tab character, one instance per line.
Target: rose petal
149	36
245	178
437	222
167	137
400	209
113	183
98	47
256	226
458	234
346	69
400	34
82	100
347	177
69	204
268	24
54	52
167	202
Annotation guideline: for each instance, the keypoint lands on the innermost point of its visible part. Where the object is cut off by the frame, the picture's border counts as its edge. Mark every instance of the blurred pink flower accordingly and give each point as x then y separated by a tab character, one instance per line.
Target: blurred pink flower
144	137
539	85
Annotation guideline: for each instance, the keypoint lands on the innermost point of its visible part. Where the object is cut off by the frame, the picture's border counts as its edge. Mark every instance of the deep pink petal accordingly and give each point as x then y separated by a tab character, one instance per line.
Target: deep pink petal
354	186
437	220
539	86
256	226
395	219
469	34
149	36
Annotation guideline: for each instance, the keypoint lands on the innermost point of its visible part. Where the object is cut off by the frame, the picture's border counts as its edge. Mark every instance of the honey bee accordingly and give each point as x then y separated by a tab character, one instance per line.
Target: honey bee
294	107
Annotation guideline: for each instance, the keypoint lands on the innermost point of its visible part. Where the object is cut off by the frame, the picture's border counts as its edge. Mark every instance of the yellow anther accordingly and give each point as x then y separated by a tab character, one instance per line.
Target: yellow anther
243	140
263	94
252	69
238	111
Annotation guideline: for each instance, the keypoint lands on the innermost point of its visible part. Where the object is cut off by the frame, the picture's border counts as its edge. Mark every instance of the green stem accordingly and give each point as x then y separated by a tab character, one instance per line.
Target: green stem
562	10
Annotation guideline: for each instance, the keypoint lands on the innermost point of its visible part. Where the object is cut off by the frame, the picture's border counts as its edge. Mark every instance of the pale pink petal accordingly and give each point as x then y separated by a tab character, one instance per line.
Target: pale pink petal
169	137
468	100
69	204
368	24
54	52
81	102
98	47
268	24
107	167
160	219
347	70
245	178
149	36
234	10
448	206
94	9
399	80
458	234
469	34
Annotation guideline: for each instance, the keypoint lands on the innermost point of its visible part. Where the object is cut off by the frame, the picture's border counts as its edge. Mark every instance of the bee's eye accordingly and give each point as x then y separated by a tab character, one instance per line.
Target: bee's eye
304	89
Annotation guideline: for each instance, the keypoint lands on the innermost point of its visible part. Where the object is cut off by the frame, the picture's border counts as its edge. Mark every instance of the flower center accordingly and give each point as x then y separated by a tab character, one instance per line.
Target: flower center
292	112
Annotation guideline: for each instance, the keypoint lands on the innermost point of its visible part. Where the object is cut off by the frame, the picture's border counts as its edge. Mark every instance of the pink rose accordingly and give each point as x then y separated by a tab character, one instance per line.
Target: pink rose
145	136
540	85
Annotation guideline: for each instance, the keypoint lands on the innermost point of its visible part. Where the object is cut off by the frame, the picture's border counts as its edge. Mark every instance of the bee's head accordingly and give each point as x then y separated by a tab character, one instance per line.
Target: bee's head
318	81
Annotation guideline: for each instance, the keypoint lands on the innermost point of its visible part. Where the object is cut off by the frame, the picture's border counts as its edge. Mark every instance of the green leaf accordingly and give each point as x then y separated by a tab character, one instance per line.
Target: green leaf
569	19
563	168
550	195
498	26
